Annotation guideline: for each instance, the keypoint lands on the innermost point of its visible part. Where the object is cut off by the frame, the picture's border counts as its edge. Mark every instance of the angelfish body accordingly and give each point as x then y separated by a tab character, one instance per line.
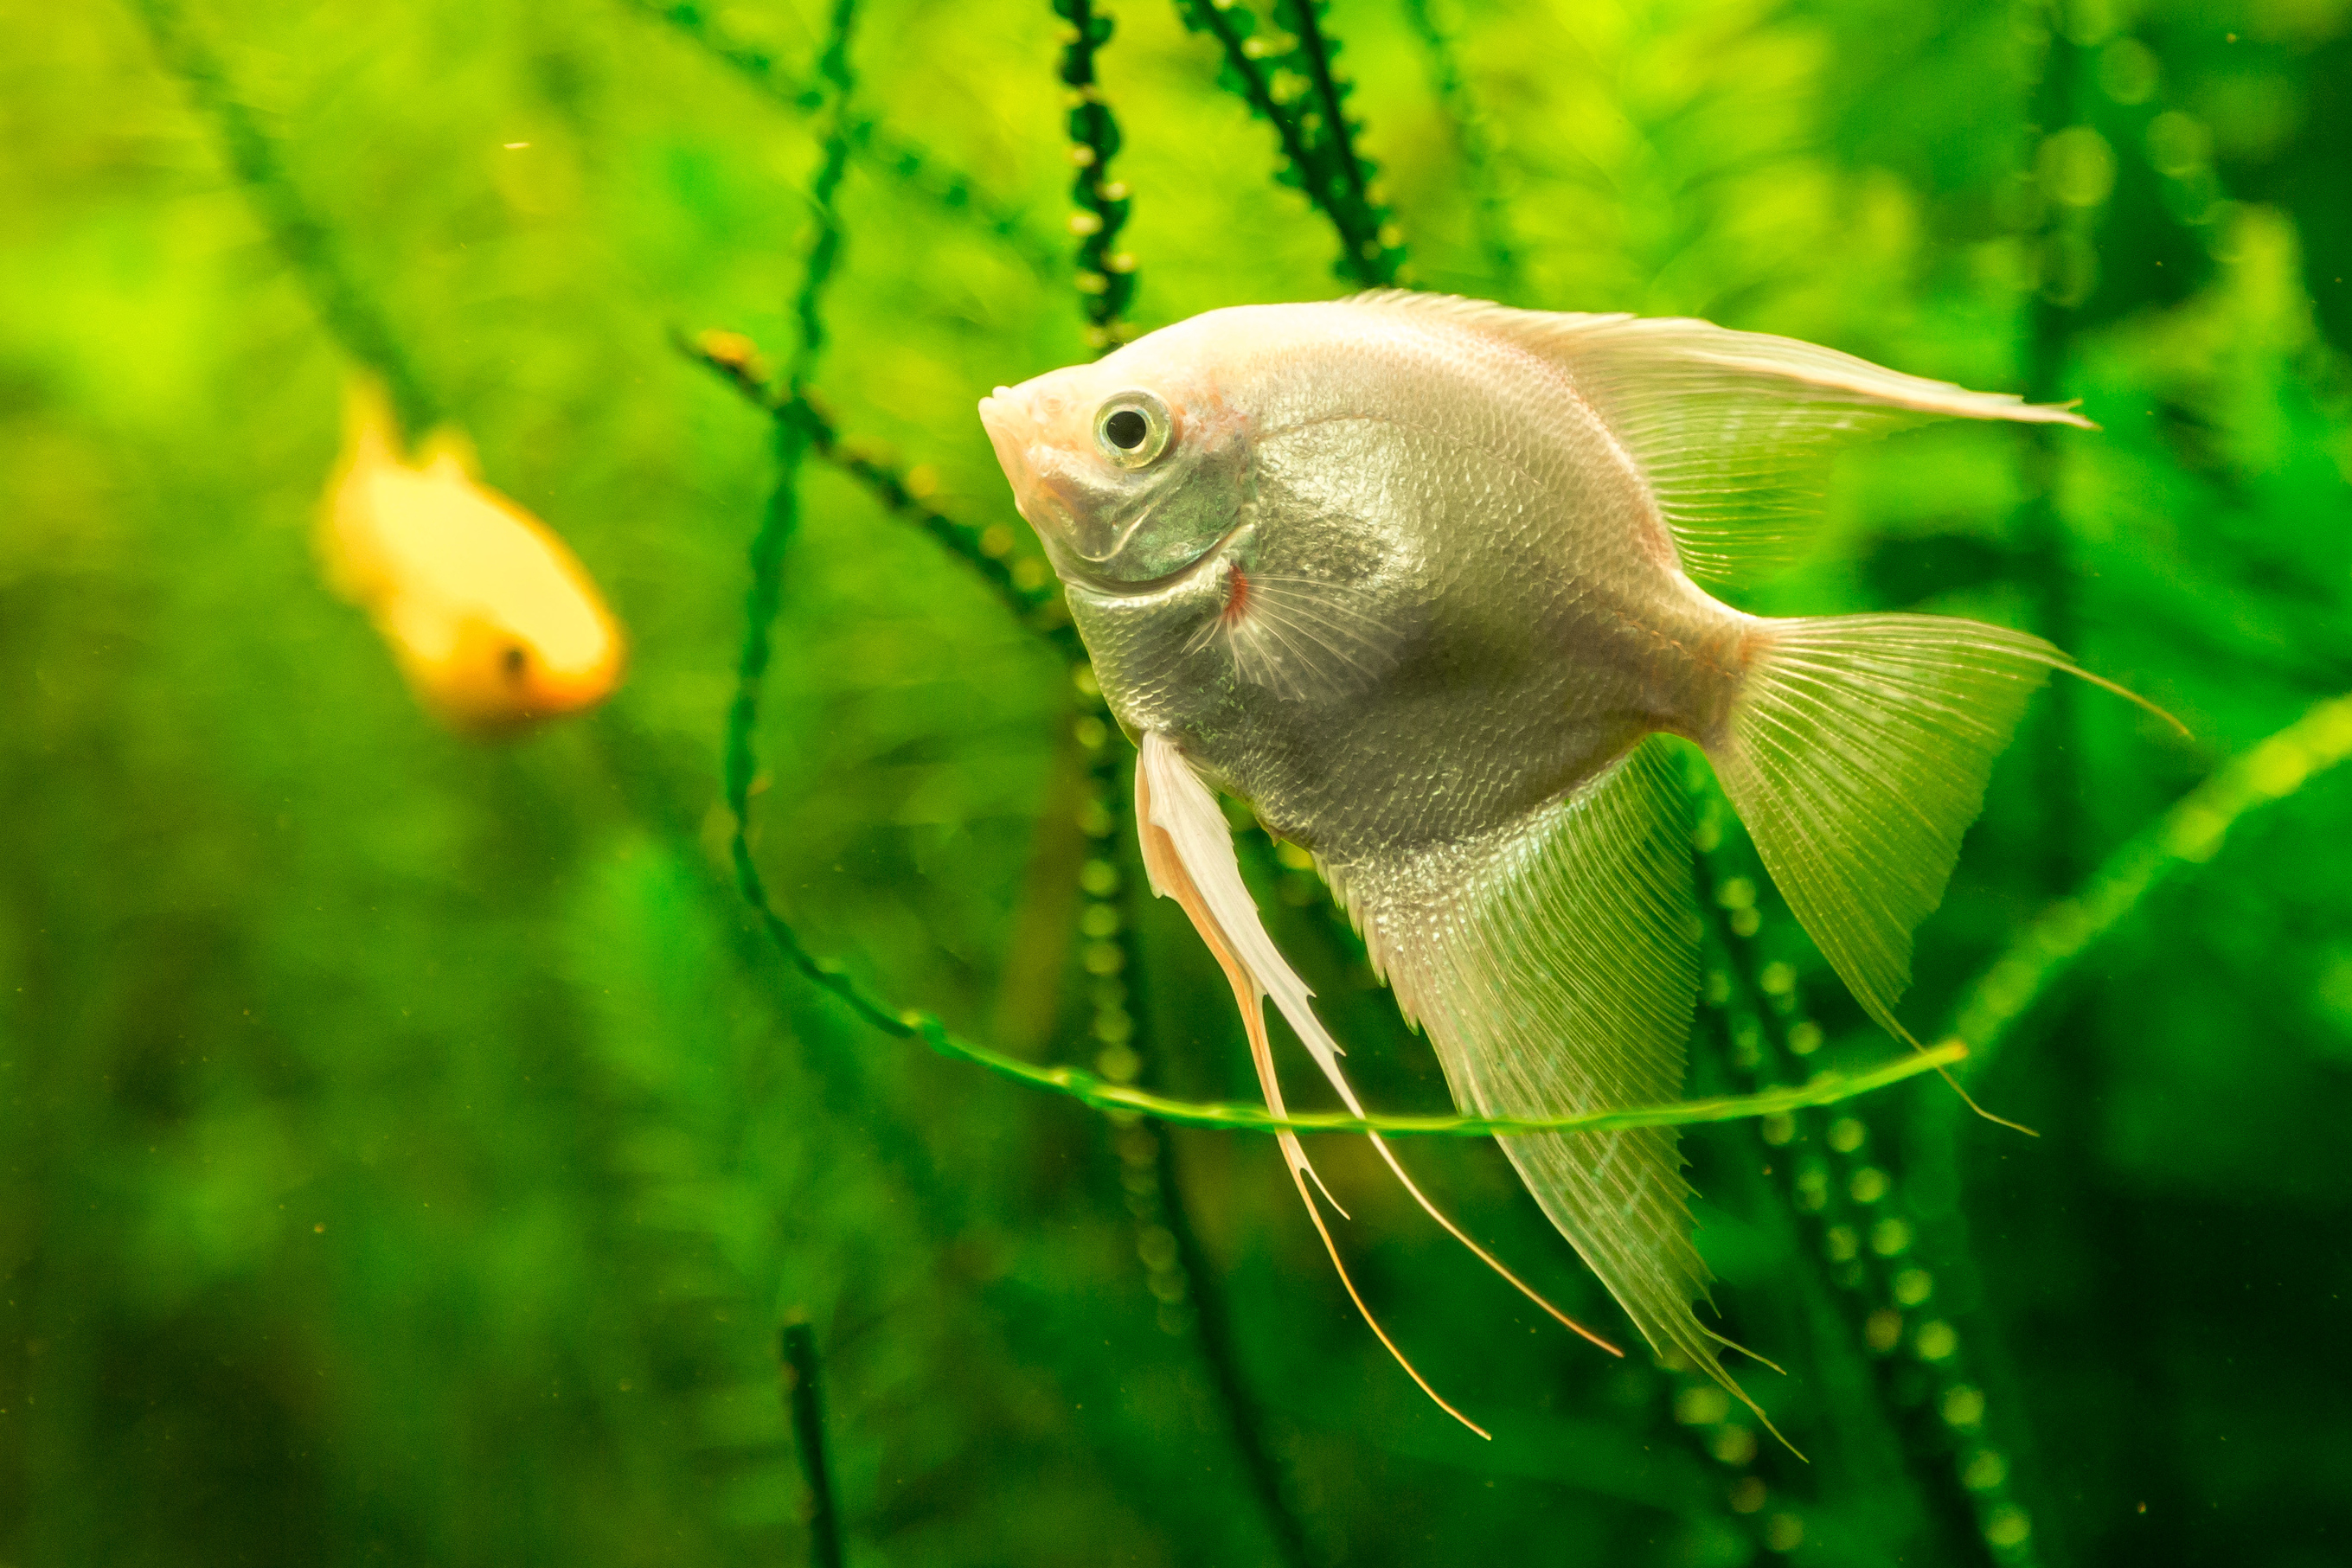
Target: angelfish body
1413	577
494	623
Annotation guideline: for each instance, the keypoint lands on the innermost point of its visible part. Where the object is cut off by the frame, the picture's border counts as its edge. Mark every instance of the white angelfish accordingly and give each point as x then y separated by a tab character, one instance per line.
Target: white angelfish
1414	576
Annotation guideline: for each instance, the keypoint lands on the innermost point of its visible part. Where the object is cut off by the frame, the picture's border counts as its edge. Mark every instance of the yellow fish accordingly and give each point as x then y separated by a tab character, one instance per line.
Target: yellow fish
495	623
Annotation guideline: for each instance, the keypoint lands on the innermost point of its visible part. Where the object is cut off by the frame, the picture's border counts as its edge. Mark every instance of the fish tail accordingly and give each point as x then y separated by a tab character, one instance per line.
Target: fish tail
345	535
1858	752
371	429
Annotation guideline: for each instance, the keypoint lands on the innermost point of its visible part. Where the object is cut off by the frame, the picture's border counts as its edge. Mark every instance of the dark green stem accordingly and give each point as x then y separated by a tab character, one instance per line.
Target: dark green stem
1106	275
1824	1089
301	238
1490	212
1319	151
1231	27
1863	1225
806	1403
900	156
824	244
793	434
1305	21
1022	583
1180	1274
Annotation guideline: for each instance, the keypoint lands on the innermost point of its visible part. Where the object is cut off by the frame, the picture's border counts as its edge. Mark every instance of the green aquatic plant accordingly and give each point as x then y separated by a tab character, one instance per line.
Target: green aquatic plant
1473	137
860	135
1287	73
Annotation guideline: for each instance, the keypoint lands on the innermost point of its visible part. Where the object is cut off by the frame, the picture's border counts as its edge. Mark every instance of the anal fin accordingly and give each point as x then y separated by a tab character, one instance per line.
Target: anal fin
1555	968
1188	855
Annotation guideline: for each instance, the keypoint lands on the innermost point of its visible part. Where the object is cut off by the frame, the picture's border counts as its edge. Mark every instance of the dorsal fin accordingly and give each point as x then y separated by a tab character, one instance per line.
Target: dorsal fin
1730	429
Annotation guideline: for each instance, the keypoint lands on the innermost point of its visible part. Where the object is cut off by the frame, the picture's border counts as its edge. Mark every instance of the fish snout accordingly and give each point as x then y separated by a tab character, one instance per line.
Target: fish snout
1007	426
1012	431
1048	494
482	676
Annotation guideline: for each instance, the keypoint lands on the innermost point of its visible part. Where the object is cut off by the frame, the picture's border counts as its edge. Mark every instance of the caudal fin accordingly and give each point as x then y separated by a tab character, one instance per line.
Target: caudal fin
1857	754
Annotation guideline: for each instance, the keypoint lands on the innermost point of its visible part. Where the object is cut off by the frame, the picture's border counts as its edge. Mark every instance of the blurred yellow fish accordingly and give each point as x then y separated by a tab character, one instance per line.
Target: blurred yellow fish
494	623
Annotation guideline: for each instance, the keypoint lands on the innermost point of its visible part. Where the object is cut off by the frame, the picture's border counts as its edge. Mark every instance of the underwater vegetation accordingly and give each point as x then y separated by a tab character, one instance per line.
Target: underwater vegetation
757	1113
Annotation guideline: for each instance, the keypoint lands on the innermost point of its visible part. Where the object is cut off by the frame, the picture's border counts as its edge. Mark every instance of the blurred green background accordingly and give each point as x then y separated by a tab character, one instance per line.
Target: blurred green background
409	1149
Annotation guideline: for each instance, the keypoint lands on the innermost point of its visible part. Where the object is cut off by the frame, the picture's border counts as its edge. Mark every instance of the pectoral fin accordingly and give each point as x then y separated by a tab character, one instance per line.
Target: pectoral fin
1301	637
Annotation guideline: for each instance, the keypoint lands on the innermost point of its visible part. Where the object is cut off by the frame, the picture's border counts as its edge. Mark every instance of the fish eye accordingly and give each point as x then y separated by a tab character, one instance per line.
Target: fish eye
514	661
1132	428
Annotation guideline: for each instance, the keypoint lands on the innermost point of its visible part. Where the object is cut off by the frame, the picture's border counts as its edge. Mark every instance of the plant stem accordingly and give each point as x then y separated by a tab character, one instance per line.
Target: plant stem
2190	833
1490	212
898	155
806	1403
1319	151
1861	1220
1105	275
1306	20
1024	584
306	243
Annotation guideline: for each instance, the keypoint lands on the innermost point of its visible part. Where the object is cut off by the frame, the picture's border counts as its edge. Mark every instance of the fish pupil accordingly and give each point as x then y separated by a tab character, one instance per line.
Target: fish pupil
1127	429
513	660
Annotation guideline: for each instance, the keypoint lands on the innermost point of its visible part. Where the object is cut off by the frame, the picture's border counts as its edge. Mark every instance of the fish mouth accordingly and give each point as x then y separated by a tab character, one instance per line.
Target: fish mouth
1010	429
1016	434
1048	492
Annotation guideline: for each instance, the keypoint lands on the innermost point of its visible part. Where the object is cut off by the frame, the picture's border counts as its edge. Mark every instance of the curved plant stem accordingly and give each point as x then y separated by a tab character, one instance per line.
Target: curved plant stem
824	240
1178	1272
2190	833
1862	1218
1243	73
1181	1273
1024	583
1475	143
795	431
870	140
1306	20
301	236
1092	1090
1288	82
